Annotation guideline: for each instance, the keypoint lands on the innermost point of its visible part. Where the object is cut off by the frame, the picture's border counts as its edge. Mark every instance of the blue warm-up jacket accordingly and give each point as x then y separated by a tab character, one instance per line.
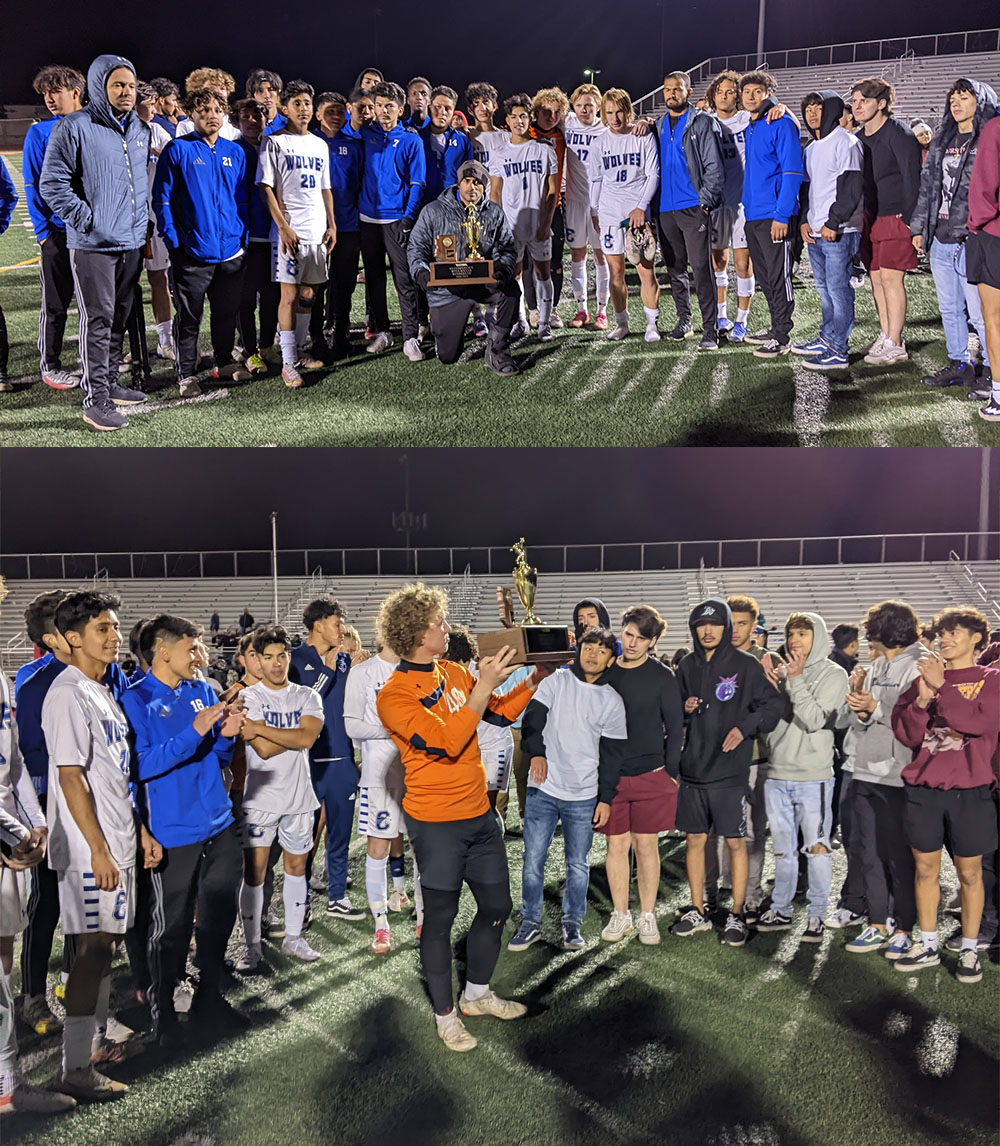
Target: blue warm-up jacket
346	165
774	168
395	172
43	219
308	667
442	167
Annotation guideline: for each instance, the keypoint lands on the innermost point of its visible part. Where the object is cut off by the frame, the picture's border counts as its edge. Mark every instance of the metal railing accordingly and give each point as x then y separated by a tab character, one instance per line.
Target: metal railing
977	586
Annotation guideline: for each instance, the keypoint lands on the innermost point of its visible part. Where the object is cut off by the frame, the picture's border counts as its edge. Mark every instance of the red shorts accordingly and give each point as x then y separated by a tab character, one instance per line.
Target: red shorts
645	804
886	244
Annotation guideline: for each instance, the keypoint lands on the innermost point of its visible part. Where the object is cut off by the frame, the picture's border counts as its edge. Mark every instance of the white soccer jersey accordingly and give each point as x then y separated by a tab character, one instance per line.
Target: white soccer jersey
227	131
625	173
85	727
282	783
580	146
486	143
381	766
297	168
491	736
17	793
734	147
525	169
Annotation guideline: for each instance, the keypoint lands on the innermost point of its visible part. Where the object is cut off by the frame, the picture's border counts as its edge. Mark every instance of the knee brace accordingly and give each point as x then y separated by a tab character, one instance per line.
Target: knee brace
722	278
306	301
745	287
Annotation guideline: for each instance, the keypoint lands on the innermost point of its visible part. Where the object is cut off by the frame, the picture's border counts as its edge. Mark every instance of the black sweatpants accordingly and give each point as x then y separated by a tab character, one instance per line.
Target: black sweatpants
105	291
57	294
330	324
482	945
4	345
686	237
888	866
222	285
43	916
203	877
772	268
258	292
137	936
448	322
377	241
852	891
556	270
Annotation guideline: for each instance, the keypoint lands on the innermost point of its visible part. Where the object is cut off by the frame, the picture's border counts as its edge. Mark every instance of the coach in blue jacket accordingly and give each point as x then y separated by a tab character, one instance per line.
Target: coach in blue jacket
94	179
200	200
183	740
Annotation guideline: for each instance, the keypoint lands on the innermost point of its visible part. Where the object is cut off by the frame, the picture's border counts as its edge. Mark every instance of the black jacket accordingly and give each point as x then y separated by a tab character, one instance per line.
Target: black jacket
850	184
702	145
590	603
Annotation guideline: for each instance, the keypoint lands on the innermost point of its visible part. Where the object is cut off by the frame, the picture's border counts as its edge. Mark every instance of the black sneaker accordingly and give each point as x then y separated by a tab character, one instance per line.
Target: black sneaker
751	913
104	417
969	969
954	942
681	331
735	934
918	958
984	387
951	374
123	396
691	920
772	348
344	909
814	931
708	342
991	411
773	920
759	337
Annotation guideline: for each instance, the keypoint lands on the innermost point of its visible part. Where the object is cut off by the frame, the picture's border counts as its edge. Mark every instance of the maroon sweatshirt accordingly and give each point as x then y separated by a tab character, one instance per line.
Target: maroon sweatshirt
984	186
954	739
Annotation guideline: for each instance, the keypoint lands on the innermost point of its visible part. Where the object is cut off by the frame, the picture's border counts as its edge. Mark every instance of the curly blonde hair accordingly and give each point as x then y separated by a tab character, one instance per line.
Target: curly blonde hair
551	95
214	78
405	615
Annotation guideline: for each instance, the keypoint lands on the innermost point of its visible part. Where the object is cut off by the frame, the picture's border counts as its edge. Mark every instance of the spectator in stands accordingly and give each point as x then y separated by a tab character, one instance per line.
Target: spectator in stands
940	226
245	620
924	134
213	621
983	256
892	181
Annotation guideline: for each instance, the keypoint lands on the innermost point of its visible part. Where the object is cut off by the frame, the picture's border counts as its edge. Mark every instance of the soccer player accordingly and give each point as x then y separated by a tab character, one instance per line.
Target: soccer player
582	128
220	82
319	665
294	176
265	87
368	78
482	101
94	178
638	789
184	740
92	827
418	101
983	257
524	178
445	148
200	199
949	718
892	183
432	708
283	721
168	108
624	176
360	111
62	89
548	111
391	191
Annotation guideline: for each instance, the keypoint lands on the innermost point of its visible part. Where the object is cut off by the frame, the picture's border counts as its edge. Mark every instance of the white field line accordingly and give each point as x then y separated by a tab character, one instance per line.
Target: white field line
812	401
670	387
638	377
720	382
791	1028
150	407
604	376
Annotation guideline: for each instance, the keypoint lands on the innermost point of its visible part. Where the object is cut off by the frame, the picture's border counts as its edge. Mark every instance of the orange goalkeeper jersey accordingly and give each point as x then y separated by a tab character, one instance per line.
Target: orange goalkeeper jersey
424	710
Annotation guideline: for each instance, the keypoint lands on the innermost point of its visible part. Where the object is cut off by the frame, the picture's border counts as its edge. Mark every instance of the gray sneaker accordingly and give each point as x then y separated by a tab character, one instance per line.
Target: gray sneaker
189	387
104	417
123	396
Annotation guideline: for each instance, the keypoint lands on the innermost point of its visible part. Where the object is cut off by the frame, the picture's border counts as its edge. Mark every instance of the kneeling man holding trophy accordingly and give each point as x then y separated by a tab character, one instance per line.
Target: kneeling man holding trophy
461	252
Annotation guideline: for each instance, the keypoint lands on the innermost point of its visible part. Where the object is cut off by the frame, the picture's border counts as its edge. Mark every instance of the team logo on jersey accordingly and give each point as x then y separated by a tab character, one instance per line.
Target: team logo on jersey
164	712
971	689
199	162
726	688
310	668
341	665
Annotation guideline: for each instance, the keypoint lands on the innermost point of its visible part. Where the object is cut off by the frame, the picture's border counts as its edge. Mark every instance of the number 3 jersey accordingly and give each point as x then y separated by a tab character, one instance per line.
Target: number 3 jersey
297	169
85	727
281	783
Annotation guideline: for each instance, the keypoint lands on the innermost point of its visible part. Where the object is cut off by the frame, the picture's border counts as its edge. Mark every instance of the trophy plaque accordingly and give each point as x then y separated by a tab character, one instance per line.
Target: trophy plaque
473	270
534	641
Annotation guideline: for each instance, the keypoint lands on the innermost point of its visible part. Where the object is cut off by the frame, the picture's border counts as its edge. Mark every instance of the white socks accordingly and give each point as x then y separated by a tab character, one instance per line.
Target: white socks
251	908
78	1034
295	894
578	277
375	886
621	317
929	939
652	317
522	314
476	990
603	275
286	340
164	333
545	292
742	315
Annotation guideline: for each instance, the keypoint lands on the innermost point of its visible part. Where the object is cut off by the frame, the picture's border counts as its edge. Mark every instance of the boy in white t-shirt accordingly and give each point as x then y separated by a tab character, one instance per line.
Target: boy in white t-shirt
563	726
583	129
157	260
283	722
293	174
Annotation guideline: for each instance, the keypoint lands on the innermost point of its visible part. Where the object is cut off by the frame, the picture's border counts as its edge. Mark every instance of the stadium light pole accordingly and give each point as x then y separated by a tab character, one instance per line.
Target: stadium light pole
762	5
274	561
984	503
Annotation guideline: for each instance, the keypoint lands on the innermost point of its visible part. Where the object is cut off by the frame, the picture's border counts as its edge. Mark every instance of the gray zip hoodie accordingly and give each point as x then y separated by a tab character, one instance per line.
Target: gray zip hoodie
879	757
801	746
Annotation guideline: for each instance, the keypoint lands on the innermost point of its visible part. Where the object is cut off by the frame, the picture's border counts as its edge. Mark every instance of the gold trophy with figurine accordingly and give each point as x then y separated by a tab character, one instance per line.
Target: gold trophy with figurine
473	270
535	642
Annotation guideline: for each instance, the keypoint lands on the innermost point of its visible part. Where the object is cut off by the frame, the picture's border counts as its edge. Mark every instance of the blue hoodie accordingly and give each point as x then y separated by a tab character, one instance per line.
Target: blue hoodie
259	219
94	173
43	219
774	168
178	769
395	172
200	197
346	164
8	197
443	165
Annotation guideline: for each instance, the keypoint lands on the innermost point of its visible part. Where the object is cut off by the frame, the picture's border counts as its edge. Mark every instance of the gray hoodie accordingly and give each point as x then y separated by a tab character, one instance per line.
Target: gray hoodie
801	746
879	757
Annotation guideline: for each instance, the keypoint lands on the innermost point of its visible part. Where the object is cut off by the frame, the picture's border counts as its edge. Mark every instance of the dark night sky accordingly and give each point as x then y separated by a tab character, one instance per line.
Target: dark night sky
514	47
87	500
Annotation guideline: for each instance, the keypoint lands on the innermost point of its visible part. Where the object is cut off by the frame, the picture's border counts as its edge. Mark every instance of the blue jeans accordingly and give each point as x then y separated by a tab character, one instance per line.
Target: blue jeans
336	785
806	805
958	301
832	264
541	813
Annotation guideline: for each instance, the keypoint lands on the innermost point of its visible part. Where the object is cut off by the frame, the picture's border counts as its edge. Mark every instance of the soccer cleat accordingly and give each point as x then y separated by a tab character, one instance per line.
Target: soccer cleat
398	899
189	387
600	321
953	373
271	354
810	349
954	943
37	1015
581	318
107	1050
888	354
524	936
814	930
61	990
89	1085
649	244
758	338
708	342
451	1031
343	909
723	324
681	331
381	342
572	940
480	329
292	378
991	411
234	372
381	944
491	1004
298	948
735	933
308	362
969	969
652	334
773	920
739	332
649	933
772	349
556	321
533	319
28	1099
690	921
60	379
123	396
545	332
249	961
871	939
635	242
618	926
166	351
844	917
256	364
828	360
519	330
411	348
617	333
104	417
901	944
369	333
918	958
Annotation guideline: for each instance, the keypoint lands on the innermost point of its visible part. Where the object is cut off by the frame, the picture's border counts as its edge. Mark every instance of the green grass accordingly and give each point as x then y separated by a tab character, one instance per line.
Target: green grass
577	390
692	1043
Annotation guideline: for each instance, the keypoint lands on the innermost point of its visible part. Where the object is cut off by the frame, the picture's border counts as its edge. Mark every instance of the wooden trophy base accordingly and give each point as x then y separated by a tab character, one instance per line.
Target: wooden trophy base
535	644
470	272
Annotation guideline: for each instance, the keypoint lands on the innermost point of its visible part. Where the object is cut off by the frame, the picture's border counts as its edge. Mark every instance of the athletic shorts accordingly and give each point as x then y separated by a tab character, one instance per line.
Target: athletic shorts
380	812
160	260
729	228
706	810
886	244
293	829
539	250
964	818
646	805
308	265
452	851
982	259
498	761
613	237
85	910
580	230
15	887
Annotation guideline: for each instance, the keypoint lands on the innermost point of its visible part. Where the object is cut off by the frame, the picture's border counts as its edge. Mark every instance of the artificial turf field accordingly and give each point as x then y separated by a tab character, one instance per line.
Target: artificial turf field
776	1044
577	390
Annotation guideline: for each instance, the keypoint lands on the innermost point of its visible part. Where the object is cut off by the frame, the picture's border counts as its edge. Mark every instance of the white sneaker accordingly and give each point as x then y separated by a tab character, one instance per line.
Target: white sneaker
618	926
545	332
877	345
28	1099
888	353
491	1004
649	933
380	342
249	961
183	994
60	379
451	1031
411	348
652	334
296	946
398	900
617	333
318	882
844	917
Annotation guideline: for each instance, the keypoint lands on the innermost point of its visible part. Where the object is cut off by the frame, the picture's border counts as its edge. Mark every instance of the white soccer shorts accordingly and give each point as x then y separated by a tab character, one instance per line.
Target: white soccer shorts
84	909
540	250
380	812
161	256
729	228
580	228
498	763
15	887
309	264
613	237
293	829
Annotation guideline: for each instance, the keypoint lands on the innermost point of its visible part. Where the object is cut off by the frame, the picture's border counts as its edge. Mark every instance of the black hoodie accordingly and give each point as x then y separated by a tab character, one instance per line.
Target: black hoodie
734	693
590	603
